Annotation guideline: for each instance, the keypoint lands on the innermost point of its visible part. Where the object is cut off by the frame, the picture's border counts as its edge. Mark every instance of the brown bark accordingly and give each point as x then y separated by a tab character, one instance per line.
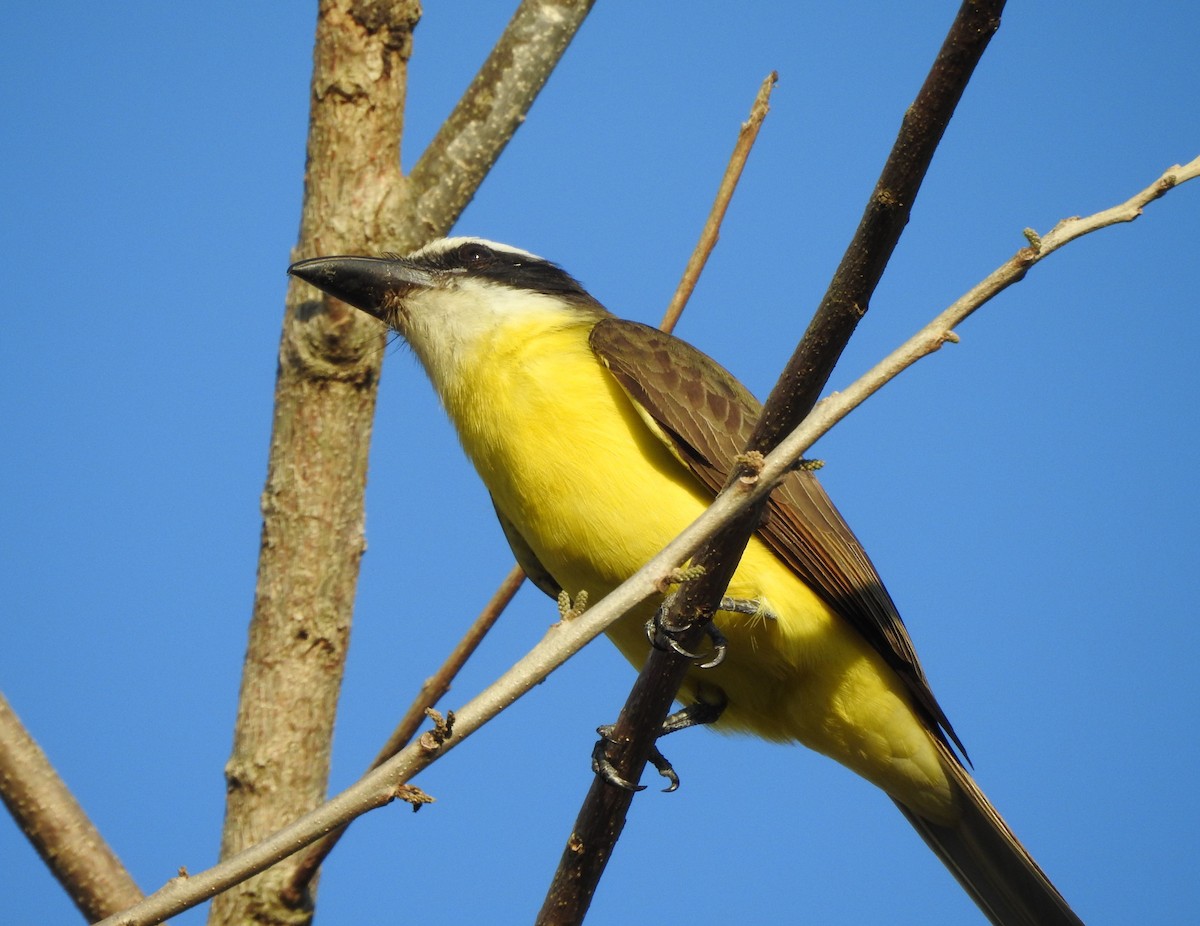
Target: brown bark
53	821
356	201
329	365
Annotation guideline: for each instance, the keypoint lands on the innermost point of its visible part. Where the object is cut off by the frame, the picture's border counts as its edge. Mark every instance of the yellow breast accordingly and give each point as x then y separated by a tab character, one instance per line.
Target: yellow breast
596	494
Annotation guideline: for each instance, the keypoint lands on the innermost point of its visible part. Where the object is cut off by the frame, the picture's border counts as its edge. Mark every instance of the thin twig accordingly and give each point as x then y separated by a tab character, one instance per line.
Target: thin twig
439	683
50	817
567	638
941	329
602	816
712	227
431	692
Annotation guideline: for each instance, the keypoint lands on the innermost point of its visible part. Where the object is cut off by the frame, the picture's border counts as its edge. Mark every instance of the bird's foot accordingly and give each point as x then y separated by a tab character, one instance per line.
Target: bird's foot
661	637
603	766
696	714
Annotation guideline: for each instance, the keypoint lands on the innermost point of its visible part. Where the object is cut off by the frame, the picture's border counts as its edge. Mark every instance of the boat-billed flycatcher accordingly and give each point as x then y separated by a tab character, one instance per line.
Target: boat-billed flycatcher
599	440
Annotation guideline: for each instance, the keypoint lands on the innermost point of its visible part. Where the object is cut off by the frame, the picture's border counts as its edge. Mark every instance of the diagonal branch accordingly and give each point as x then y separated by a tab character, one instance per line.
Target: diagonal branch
747	135
431	692
849	294
51	818
602	815
471	139
565	639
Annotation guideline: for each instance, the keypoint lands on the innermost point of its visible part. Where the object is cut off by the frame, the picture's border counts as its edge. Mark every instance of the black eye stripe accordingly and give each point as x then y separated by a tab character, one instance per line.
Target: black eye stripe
509	268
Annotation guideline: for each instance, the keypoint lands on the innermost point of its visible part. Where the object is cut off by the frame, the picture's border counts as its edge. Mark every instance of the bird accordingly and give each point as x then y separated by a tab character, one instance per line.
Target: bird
599	439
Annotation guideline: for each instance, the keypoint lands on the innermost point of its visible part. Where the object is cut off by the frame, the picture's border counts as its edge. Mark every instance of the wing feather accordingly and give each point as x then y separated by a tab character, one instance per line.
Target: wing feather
707	417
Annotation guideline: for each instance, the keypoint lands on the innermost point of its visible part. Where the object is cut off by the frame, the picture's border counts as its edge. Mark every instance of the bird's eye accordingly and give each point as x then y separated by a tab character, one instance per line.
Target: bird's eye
476	256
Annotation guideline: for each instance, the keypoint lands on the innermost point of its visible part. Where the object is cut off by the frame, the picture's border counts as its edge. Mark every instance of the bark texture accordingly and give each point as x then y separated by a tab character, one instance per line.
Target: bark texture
329	364
48	814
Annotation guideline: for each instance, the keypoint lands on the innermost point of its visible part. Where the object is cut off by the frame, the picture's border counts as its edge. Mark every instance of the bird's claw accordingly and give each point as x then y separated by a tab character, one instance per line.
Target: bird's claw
718	652
606	770
663	766
695	714
660	637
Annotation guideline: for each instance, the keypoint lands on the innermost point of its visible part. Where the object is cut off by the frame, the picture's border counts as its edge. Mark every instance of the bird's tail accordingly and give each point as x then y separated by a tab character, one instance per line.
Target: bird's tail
989	861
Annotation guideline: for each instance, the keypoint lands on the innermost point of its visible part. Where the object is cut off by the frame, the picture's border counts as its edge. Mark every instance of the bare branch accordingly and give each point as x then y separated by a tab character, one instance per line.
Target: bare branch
431	692
712	227
50	817
602	816
941	329
887	212
1075	227
471	139
312	504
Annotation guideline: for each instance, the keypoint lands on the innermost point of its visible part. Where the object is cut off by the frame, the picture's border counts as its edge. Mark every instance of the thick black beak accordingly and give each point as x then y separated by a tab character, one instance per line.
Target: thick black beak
363	282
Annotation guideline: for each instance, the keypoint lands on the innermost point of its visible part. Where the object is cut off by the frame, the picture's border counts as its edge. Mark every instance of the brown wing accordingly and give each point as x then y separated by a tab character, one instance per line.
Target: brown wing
708	416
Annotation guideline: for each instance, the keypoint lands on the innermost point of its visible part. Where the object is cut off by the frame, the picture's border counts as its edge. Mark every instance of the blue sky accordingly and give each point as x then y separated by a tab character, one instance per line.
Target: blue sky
1029	495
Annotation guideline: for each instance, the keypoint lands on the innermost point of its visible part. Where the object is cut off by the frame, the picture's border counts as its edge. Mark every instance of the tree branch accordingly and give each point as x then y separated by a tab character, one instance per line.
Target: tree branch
329	366
747	135
602	816
849	294
431	692
471	139
51	818
355	201
565	639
